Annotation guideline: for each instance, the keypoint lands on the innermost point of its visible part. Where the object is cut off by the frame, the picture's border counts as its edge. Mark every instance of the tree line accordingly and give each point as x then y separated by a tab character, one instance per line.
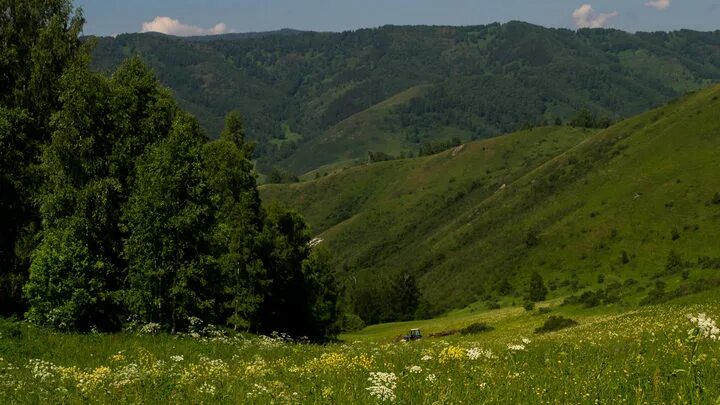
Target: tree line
116	208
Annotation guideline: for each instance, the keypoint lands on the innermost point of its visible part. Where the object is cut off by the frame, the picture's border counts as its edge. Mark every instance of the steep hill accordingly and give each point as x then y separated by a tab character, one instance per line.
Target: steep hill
636	203
477	81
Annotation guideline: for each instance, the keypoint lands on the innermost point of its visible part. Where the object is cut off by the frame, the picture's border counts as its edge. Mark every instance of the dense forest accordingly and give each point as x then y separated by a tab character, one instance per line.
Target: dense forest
297	88
117	209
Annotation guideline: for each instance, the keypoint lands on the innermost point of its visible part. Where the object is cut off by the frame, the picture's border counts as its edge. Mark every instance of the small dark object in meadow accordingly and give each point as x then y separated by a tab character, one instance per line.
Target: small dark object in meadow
555	323
544	310
444	333
414	334
716	198
478	327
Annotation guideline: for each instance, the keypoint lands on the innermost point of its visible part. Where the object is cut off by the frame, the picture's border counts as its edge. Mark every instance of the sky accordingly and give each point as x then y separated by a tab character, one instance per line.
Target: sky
192	17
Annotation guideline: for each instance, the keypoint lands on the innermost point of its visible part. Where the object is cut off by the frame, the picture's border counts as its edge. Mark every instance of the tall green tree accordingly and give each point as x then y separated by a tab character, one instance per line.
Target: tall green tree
301	296
323	295
172	274
78	207
88	169
537	291
231	178
405	296
38	41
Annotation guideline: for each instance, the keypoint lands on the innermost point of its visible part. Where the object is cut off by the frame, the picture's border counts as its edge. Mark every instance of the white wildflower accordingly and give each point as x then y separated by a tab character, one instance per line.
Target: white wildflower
515	347
383	385
475	353
415	369
128	374
430	378
41	369
151	328
426	358
208	389
704	327
525	341
177	358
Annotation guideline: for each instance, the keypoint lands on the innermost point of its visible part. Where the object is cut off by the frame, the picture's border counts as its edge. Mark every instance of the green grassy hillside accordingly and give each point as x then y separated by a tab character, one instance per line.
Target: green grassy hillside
353	137
582	209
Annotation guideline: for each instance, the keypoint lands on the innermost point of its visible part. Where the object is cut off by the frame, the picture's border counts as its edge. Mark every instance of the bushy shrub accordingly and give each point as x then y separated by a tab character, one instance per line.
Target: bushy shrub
707	262
592	299
544	310
674	262
351	323
478	327
555	323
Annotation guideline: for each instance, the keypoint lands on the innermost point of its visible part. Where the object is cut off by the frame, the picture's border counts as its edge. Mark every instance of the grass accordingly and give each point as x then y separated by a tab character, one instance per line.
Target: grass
614	355
368	130
616	203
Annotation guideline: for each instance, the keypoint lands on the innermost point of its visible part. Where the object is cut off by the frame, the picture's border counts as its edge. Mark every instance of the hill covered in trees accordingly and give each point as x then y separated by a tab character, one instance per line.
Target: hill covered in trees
628	215
304	93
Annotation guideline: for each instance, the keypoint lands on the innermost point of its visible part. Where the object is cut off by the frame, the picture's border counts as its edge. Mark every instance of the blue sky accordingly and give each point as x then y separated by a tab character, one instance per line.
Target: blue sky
187	17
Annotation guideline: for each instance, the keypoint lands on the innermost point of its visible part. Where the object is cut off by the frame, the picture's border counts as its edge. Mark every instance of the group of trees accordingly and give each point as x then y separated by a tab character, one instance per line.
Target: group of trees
116	206
396	298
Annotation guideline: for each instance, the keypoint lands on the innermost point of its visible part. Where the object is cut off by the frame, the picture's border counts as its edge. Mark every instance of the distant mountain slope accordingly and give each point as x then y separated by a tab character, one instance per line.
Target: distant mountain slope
570	205
355	136
480	81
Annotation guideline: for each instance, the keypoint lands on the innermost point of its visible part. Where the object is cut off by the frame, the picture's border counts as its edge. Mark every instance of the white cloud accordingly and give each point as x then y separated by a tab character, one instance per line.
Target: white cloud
586	17
658	4
170	26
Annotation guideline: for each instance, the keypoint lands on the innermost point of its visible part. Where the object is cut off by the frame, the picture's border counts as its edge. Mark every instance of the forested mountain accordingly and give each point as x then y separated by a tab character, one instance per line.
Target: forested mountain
297	90
636	205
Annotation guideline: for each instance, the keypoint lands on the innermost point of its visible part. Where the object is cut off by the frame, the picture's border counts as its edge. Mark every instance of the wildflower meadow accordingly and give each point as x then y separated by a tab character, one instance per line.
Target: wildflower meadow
652	355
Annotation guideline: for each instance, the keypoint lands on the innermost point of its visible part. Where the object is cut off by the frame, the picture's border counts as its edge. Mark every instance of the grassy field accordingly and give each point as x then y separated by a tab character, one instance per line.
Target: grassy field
575	205
653	355
353	137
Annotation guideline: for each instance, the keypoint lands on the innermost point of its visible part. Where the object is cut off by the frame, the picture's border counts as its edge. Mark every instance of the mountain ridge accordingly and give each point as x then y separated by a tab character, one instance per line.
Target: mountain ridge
483	80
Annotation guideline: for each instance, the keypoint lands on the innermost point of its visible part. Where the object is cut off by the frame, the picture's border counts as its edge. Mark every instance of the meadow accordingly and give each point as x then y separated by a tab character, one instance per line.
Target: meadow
661	354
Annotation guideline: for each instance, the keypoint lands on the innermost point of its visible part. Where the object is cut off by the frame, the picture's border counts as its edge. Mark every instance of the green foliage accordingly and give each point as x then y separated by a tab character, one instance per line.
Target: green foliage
404	297
475	328
555	323
624	258
67	288
322	296
674	262
169	219
351	323
537	291
127	209
301	299
280	176
586	119
88	168
391	89
38	41
230	177
431	148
